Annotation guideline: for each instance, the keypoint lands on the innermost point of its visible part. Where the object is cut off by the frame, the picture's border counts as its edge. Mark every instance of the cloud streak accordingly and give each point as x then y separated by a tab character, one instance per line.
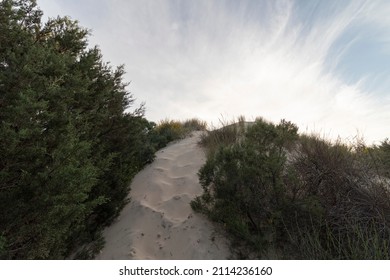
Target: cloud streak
274	59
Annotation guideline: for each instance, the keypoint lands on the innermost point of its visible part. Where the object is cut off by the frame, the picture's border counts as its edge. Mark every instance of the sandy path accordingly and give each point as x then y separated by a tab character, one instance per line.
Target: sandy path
159	223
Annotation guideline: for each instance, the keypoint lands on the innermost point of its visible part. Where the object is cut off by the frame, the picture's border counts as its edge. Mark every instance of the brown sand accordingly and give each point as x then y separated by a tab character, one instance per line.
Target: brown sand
159	223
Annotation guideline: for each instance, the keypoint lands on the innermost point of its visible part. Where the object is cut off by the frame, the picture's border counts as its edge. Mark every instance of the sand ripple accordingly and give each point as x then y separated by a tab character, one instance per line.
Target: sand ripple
159	223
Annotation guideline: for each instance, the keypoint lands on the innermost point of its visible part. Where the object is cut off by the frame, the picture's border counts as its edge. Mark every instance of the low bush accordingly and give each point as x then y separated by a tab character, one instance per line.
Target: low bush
169	130
302	196
194	125
351	210
227	135
243	177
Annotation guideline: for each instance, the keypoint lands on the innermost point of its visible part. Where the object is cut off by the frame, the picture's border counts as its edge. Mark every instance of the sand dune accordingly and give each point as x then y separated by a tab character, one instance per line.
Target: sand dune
159	223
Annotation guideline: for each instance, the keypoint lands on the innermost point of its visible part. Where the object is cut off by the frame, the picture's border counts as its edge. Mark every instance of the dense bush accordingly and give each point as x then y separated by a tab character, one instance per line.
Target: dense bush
194	124
243	181
169	130
297	196
382	155
349	218
68	149
227	135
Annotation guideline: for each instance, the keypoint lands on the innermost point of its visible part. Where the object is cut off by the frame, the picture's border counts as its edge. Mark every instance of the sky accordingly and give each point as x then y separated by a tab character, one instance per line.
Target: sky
324	65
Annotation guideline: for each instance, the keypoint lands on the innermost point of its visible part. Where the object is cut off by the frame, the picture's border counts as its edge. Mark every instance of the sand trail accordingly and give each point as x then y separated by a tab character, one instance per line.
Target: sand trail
159	223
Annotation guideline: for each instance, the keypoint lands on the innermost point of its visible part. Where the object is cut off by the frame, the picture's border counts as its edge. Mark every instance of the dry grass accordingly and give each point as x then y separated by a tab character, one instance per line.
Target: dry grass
229	133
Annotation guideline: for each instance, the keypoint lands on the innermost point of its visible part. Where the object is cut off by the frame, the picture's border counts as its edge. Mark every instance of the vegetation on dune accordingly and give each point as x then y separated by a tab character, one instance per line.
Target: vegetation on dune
297	197
194	124
169	130
69	142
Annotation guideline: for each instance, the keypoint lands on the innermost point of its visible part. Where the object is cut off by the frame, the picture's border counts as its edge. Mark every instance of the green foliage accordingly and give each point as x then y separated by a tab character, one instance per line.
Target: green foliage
169	130
354	204
88	251
246	176
227	135
68	149
301	197
194	124
382	155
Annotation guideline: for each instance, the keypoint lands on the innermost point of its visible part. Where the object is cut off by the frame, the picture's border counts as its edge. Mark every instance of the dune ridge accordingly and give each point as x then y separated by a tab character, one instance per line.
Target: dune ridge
159	223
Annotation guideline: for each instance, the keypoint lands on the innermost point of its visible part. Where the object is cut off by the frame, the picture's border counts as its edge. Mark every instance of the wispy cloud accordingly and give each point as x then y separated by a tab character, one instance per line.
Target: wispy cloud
276	59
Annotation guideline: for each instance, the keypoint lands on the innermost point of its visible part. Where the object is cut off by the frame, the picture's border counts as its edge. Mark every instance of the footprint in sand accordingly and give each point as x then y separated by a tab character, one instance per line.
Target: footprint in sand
140	225
132	252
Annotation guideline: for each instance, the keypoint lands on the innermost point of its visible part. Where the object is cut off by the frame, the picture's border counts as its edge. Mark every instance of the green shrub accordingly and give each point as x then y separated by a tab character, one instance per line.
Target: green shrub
227	135
169	130
355	207
244	176
302	196
381	154
194	125
70	140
